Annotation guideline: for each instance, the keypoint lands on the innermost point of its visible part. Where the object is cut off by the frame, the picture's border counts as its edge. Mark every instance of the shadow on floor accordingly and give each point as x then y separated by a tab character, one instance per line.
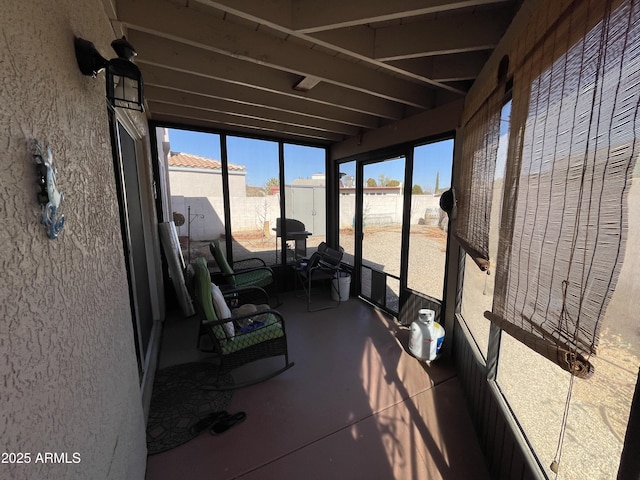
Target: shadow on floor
355	405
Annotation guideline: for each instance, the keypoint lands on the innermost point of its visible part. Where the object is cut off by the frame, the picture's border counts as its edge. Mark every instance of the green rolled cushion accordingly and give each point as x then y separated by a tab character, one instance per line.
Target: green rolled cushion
221	259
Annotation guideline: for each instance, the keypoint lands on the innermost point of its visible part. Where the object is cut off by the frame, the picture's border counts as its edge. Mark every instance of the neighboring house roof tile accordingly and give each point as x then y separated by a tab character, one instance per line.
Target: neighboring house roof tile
178	159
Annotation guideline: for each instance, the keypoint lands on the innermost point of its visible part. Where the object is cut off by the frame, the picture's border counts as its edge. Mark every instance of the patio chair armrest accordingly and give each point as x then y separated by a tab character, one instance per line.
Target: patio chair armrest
257	314
253	315
248	270
253	260
253	322
328	266
244	295
324	267
217	323
221	277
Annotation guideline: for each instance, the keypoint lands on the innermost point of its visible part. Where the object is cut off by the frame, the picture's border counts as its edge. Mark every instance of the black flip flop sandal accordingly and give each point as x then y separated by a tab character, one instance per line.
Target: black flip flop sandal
225	423
205	422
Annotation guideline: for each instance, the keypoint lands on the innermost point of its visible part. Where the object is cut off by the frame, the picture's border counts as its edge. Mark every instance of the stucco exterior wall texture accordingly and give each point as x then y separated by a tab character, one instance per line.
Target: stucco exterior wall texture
67	359
204	184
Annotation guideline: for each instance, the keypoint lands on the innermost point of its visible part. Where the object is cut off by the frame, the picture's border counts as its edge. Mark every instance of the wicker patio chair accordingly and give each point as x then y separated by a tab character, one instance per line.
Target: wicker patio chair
257	276
264	337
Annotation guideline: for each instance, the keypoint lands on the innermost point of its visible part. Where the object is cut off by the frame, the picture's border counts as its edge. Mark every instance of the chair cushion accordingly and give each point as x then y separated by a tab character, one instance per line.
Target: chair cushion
204	297
222	310
258	278
221	259
271	329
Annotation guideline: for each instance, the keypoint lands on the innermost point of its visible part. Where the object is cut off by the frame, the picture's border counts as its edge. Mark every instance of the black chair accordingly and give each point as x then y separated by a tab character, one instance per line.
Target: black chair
242	339
322	267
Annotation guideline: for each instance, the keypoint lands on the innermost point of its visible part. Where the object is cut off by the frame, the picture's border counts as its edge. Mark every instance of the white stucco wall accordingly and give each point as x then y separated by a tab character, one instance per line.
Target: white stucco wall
207	215
67	359
204	183
387	209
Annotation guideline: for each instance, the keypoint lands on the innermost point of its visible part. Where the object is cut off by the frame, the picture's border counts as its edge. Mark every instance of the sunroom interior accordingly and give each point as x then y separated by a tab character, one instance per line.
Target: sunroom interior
475	158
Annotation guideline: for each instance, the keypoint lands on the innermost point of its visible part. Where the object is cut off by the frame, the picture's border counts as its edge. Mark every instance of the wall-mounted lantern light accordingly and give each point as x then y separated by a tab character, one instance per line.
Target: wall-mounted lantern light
123	78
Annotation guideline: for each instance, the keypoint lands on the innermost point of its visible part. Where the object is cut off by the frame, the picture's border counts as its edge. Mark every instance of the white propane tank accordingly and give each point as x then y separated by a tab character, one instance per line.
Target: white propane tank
427	336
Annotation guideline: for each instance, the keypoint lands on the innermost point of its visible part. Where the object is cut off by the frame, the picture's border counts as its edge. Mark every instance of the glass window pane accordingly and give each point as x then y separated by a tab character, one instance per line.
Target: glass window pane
305	198
347	217
254	197
195	182
428	227
382	205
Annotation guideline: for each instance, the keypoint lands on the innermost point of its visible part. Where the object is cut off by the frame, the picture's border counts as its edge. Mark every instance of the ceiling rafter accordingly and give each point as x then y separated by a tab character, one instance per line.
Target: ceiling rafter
226	120
364	38
157	76
359	66
186	25
480	31
446	68
186	58
215	104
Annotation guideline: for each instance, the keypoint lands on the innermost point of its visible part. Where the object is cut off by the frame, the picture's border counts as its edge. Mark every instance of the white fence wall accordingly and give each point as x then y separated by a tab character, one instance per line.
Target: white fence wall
207	214
387	210
251	213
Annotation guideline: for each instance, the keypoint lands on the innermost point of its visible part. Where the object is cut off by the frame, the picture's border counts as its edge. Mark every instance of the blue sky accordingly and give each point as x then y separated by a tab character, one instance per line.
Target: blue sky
428	161
261	159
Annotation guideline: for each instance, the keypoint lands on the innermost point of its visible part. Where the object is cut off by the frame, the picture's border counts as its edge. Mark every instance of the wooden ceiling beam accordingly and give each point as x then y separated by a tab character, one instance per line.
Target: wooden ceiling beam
163	52
184	82
193	116
481	31
175	97
186	25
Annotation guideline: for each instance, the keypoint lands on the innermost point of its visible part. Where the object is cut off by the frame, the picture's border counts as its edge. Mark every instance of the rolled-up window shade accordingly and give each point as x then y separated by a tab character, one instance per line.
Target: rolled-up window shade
475	173
574	145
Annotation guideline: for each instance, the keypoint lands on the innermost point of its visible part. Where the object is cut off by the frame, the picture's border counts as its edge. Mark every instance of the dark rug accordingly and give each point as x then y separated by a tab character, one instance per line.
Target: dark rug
179	400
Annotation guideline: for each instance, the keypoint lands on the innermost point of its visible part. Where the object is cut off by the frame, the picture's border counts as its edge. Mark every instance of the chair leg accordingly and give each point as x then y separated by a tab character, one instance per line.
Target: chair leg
325	307
273	294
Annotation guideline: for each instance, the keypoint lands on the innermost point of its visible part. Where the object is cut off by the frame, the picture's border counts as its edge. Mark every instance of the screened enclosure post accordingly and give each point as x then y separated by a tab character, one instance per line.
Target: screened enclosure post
332	200
406	223
225	195
454	261
283	206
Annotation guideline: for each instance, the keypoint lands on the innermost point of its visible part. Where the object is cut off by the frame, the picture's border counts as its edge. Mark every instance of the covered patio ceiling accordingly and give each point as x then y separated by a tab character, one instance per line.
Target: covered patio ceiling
306	70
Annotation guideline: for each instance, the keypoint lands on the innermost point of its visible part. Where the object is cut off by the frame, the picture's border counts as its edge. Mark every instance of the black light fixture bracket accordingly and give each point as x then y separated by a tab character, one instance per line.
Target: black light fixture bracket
89	59
124	87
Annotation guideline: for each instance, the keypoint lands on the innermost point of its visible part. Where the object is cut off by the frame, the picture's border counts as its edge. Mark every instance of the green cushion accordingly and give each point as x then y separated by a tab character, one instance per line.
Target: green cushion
203	296
258	278
271	329
254	278
221	259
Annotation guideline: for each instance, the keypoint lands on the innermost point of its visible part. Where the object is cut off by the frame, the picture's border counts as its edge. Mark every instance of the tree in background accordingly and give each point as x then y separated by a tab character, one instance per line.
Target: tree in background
371	182
272	182
393	183
417	190
437	182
